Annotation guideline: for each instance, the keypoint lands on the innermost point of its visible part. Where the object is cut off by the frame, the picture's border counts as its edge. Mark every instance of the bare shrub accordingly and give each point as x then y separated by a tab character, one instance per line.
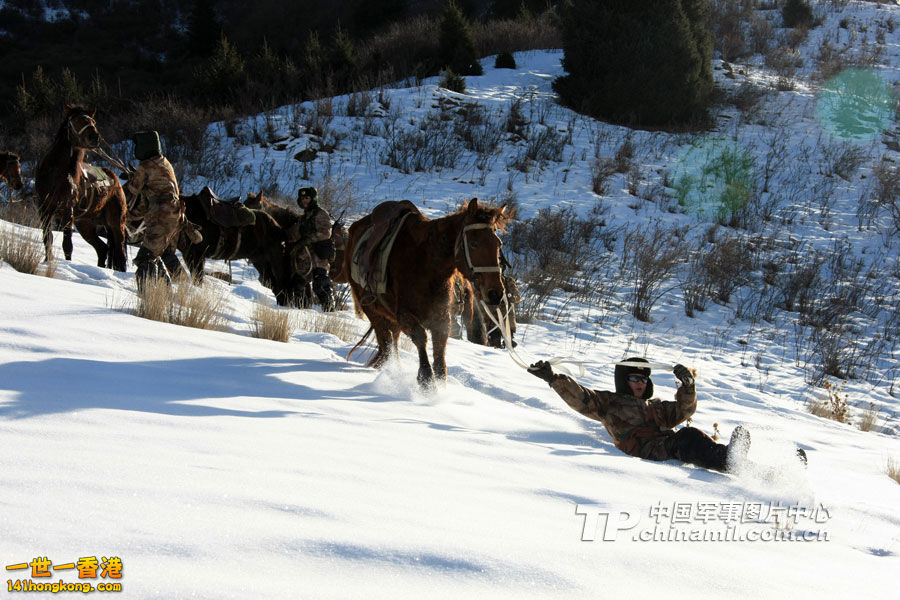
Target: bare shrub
20	249
728	19
842	159
797	283
338	197
558	250
761	34
511	35
886	191
181	303
783	61
271	322
358	103
479	131
545	144
842	351
516	123
601	171
829	61
727	264
695	285
623	155
429	147
650	257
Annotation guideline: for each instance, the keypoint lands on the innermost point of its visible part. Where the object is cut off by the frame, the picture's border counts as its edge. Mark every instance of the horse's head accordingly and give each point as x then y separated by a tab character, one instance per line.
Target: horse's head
255	201
478	249
81	128
11	169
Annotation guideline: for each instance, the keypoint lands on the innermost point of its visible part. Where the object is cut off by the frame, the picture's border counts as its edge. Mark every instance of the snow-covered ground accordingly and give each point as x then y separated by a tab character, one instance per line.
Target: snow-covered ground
216	465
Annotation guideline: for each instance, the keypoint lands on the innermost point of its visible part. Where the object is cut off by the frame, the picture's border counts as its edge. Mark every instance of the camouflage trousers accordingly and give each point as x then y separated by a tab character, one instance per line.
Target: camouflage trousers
163	223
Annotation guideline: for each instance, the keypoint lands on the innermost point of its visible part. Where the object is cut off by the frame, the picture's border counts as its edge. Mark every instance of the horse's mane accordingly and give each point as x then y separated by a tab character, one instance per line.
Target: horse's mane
495	216
284	215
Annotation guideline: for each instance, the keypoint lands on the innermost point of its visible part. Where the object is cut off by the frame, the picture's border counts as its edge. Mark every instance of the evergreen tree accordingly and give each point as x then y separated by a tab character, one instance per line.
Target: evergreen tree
223	74
797	12
645	63
342	56
457	43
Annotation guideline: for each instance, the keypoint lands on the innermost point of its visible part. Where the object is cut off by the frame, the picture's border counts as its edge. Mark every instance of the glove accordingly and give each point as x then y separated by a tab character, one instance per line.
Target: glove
543	370
684	375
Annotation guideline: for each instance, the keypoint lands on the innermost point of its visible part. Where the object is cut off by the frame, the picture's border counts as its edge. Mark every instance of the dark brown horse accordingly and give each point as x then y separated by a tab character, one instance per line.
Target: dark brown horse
11	170
68	197
262	243
298	265
425	255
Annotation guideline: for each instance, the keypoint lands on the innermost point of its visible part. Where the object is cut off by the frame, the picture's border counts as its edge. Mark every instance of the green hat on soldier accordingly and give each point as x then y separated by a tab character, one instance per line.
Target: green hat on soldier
146	144
307	192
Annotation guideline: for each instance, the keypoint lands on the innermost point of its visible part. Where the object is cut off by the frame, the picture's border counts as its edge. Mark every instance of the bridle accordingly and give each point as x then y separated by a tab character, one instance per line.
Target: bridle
465	244
72	130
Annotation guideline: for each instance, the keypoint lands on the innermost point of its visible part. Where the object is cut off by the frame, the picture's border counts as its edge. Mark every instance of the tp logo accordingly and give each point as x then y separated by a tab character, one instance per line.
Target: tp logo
613	521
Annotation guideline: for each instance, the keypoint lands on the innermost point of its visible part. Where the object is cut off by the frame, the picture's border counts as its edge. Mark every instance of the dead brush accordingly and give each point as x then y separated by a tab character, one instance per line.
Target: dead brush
181	303
272	323
20	249
834	406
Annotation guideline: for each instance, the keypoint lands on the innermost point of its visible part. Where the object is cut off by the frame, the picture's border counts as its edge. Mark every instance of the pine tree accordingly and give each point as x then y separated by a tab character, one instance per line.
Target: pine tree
457	43
645	63
797	12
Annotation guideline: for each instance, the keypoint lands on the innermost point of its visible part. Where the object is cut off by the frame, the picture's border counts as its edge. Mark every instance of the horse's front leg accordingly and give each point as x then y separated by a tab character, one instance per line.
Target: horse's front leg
67	241
420	339
48	243
439	335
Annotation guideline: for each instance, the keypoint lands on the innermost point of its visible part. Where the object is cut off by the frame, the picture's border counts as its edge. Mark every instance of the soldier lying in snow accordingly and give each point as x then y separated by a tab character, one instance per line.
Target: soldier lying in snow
642	426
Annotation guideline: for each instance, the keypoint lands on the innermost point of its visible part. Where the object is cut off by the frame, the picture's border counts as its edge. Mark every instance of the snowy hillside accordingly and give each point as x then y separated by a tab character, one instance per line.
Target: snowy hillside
216	465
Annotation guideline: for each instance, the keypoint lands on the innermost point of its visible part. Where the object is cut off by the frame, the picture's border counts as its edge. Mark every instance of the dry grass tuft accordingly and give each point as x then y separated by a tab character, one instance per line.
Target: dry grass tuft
273	323
893	469
332	323
181	304
20	249
869	418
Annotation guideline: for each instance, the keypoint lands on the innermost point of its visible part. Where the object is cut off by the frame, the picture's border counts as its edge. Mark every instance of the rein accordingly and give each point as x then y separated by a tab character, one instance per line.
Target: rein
114	160
502	323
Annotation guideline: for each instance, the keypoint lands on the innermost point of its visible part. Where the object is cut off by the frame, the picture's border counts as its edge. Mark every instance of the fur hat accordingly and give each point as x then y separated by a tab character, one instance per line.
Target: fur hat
146	144
621	377
307	192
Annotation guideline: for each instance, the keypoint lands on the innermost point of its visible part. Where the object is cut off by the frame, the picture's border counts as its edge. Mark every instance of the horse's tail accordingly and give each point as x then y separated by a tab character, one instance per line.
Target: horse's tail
361	341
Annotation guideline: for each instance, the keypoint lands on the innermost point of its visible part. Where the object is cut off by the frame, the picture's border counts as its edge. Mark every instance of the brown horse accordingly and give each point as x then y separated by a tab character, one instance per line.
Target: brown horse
11	170
70	193
425	255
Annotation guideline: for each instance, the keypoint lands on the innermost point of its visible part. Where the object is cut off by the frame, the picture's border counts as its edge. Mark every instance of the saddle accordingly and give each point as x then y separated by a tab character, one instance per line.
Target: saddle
368	264
93	176
225	213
